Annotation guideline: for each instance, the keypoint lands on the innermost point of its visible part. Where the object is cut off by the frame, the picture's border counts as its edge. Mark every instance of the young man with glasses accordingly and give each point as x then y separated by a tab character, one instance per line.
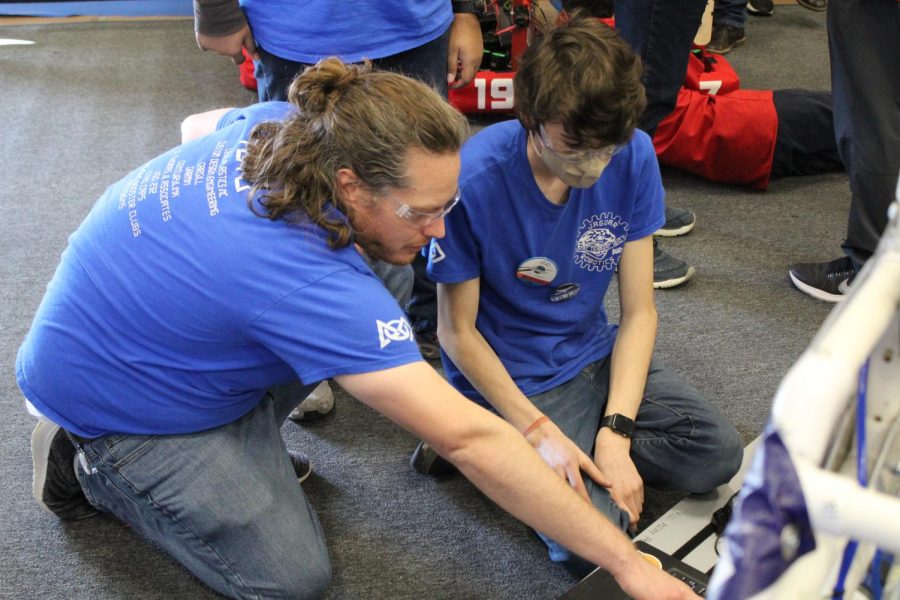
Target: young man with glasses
152	355
554	204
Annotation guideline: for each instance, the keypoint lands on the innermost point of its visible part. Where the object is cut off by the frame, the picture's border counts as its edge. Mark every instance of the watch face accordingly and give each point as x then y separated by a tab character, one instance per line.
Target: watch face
620	424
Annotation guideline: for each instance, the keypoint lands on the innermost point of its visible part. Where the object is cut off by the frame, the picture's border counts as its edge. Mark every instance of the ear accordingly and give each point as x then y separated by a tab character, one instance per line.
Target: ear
350	188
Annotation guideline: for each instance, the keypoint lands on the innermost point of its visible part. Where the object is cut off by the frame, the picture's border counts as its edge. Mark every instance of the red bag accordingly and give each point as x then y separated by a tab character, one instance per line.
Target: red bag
245	70
718	131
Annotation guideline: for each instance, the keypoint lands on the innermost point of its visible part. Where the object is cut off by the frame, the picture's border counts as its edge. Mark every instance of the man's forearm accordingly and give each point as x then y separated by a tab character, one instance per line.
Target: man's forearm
218	17
507	470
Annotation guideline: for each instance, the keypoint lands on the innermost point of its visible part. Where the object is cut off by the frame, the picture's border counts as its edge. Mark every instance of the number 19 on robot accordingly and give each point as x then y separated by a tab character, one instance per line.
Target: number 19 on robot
501	93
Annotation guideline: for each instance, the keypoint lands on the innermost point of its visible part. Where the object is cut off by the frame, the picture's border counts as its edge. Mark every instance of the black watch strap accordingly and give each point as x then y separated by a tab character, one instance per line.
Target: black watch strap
619	424
467	6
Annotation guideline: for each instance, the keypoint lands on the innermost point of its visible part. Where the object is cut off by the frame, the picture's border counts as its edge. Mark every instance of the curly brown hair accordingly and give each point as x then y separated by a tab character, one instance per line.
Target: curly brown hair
585	77
347	116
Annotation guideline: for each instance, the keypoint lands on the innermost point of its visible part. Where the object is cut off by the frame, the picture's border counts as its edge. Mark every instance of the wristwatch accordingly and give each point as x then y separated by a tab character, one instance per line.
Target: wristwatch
619	423
467	6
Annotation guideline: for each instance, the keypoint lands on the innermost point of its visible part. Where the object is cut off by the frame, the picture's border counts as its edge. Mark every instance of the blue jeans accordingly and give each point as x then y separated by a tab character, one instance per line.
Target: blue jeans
730	12
661	33
681	441
225	503
427	63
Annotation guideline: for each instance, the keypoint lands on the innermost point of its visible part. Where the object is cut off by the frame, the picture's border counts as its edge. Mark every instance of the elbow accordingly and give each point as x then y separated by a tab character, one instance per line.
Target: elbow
189	129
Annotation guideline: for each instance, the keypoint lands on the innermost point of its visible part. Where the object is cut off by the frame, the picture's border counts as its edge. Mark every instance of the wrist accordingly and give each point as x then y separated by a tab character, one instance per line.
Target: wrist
619	424
535	425
608	440
624	561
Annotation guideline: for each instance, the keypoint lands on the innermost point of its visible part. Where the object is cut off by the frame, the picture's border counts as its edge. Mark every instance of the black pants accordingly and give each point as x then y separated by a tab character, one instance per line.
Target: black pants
864	43
805	142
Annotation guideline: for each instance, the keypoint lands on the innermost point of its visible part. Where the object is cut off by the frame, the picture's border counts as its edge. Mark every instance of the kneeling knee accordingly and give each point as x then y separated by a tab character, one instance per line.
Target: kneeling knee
725	463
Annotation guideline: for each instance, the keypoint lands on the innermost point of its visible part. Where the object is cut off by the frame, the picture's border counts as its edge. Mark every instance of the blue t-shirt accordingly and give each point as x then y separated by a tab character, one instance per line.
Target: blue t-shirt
307	31
175	307
544	268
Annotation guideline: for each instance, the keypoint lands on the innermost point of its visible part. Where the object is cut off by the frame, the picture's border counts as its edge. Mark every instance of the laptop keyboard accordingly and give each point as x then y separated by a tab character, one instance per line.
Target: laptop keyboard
699	588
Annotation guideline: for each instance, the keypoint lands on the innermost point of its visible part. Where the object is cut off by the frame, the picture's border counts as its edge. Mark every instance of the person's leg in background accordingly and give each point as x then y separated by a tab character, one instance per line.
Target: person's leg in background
274	75
864	41
804	144
224	502
661	32
729	19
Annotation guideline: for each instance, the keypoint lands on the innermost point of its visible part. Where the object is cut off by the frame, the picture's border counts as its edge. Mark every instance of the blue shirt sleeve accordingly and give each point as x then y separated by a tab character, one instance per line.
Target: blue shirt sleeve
344	323
649	197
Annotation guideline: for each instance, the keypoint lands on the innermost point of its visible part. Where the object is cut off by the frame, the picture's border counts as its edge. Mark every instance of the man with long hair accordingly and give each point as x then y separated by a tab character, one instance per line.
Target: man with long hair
154	358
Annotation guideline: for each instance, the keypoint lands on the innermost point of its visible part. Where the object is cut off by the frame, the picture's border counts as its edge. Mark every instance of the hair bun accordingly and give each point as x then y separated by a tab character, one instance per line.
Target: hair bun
321	85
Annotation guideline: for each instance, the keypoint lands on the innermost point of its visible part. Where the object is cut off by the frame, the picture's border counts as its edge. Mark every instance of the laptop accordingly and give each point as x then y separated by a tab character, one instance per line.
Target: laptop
601	584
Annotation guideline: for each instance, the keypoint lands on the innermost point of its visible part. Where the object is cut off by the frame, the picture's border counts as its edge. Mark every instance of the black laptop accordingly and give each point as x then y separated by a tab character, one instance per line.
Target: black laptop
601	585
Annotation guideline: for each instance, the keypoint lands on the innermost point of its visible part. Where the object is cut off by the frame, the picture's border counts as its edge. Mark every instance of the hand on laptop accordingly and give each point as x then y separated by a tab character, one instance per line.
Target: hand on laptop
642	580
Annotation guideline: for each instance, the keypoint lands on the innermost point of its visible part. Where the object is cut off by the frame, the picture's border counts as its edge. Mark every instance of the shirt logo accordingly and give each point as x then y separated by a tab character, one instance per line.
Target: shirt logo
397	330
436	254
600	240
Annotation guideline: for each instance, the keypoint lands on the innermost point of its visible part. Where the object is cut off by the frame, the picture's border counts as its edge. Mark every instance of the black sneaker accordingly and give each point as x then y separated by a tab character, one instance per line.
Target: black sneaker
725	38
668	271
301	463
679	221
54	484
428	462
761	8
814	5
828	281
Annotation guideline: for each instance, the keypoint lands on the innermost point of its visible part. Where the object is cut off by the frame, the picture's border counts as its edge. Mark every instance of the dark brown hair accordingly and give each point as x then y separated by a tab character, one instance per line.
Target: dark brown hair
583	76
348	116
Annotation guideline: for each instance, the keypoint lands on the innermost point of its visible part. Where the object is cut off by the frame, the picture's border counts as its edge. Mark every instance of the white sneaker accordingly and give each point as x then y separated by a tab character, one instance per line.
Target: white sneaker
319	403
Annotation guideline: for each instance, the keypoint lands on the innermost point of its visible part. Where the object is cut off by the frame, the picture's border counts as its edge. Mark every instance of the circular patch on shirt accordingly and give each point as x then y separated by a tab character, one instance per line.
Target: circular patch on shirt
566	291
536	271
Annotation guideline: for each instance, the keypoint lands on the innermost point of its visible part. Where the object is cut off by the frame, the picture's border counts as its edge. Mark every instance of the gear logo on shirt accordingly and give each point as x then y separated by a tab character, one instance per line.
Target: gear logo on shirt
397	330
600	241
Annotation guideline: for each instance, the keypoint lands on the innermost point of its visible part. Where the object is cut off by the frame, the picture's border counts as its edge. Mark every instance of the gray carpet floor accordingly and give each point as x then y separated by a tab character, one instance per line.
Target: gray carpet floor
89	102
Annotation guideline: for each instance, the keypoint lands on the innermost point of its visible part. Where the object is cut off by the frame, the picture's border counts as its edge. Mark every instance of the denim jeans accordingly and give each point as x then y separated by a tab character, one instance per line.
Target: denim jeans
224	502
681	441
730	12
427	63
661	33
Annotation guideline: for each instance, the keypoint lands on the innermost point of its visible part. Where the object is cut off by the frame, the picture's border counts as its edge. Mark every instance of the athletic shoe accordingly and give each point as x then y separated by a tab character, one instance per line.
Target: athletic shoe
54	485
761	8
319	403
814	5
428	462
668	271
725	38
301	463
428	343
679	221
828	281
